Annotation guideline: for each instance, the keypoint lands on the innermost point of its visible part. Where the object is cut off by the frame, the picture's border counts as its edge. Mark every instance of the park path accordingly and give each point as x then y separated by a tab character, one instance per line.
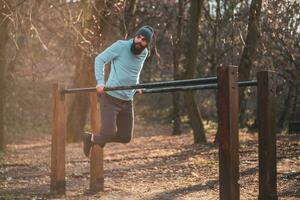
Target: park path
153	166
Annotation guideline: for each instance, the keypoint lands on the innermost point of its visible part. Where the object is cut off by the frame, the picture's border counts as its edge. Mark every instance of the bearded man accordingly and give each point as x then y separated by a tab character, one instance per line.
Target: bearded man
127	58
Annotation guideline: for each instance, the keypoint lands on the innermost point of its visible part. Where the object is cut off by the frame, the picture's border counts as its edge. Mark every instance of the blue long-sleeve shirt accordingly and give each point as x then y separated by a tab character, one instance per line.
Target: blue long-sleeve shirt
125	68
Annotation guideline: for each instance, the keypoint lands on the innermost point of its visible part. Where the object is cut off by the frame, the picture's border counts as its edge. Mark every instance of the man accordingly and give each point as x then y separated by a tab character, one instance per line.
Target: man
127	58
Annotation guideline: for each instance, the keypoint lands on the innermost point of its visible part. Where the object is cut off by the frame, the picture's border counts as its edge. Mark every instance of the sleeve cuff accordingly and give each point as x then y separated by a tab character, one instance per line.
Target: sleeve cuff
100	85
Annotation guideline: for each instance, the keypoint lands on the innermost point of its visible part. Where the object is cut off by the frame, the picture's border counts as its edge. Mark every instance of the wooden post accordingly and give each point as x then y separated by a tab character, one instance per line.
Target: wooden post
228	109
266	86
58	183
96	165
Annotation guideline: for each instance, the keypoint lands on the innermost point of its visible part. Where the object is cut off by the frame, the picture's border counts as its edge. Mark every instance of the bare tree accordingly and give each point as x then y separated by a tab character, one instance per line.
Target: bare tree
128	16
176	73
96	32
250	49
4	22
83	76
190	101
281	41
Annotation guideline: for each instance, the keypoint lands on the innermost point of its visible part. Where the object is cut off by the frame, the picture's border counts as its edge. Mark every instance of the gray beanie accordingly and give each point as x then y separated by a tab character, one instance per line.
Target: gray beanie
146	31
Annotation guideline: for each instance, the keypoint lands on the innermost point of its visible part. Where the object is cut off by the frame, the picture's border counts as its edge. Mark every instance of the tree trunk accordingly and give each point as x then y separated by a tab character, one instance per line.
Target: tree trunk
4	10
176	55
176	97
286	109
78	108
249	51
190	101
129	11
295	115
79	105
84	73
215	45
215	54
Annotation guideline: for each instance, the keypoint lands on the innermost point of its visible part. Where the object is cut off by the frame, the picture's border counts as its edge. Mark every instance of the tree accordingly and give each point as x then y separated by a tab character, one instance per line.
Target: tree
128	16
176	54
78	108
250	50
189	97
4	22
280	26
93	26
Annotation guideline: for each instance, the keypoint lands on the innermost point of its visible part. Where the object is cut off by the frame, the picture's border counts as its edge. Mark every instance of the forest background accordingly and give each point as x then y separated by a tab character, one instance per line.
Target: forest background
47	41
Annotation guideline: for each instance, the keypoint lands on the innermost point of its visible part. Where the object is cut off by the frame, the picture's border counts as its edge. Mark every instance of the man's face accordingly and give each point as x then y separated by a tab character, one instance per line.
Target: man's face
140	42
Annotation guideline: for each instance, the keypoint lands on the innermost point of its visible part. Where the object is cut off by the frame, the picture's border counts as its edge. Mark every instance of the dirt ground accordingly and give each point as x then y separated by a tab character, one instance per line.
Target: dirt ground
153	167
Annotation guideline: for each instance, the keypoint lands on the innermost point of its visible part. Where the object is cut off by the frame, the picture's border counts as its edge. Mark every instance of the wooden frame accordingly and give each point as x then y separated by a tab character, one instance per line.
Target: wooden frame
228	109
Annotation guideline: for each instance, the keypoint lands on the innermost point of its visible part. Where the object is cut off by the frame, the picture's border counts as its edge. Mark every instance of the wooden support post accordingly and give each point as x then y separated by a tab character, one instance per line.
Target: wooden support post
96	165
58	183
228	109
266	86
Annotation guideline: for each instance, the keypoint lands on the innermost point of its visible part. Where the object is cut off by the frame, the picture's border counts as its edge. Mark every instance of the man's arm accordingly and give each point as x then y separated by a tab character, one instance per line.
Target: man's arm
103	58
140	91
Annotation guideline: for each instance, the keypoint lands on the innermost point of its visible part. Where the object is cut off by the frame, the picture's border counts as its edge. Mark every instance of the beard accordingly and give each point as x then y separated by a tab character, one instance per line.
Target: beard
137	48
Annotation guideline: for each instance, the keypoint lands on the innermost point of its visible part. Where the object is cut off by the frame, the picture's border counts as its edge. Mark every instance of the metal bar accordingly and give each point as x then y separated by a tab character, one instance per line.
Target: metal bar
184	88
196	87
247	83
192	84
187	82
78	90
